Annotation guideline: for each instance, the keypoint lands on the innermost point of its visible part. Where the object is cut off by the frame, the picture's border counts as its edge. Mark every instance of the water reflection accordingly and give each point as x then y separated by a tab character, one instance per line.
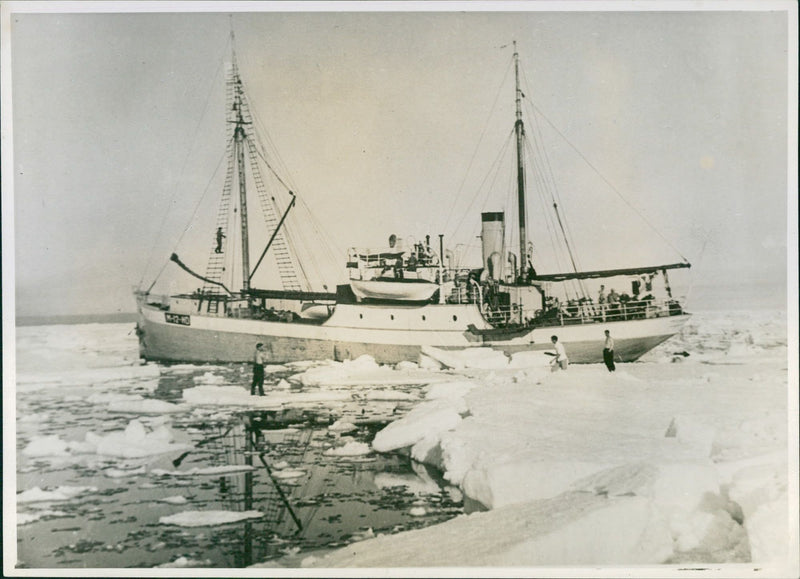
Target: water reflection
310	500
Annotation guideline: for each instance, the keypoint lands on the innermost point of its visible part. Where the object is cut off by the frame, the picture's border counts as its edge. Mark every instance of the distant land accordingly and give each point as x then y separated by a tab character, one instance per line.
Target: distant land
118	318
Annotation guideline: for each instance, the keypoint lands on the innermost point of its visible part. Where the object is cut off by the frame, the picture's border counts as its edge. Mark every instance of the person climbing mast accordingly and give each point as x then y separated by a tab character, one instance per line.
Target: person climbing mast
220	237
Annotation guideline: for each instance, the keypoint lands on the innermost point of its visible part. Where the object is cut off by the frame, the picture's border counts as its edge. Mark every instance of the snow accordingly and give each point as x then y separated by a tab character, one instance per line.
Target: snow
208	518
288	473
133	442
425	421
485	358
208	471
237	396
121	473
351	448
144	406
361	371
185	563
26	518
41	446
120	375
671	460
174	500
61	493
341	426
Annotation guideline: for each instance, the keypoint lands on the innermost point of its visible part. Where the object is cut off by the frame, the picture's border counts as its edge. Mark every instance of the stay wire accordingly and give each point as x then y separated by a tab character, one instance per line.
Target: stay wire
492	171
212	86
610	185
457	196
188	226
549	177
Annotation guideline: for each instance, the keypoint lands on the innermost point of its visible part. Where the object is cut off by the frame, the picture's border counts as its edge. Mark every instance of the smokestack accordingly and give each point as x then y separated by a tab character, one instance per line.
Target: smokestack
492	234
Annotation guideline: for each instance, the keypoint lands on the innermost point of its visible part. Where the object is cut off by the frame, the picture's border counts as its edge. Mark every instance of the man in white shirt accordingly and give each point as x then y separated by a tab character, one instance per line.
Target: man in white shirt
259	357
560	361
608	352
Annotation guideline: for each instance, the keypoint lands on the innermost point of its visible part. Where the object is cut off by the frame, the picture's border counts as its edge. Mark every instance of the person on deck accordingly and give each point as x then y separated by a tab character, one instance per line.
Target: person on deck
560	361
601	297
608	352
258	370
220	237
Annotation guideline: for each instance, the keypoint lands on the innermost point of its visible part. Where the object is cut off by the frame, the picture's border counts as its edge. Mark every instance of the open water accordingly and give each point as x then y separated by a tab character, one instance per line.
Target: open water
107	453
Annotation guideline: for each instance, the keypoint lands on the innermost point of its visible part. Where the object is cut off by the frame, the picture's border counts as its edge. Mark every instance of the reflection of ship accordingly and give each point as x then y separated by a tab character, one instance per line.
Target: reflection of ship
398	299
325	503
254	441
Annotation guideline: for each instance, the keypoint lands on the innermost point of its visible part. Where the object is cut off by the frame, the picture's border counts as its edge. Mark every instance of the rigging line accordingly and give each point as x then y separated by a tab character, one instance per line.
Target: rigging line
548	178
492	170
255	137
196	207
212	86
262	132
327	246
511	232
269	166
548	175
700	261
554	189
310	250
292	243
542	190
568	242
477	147
328	243
614	189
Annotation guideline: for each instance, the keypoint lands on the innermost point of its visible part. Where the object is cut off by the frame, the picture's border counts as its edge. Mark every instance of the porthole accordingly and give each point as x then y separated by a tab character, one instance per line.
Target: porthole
391	316
455	318
360	316
423	318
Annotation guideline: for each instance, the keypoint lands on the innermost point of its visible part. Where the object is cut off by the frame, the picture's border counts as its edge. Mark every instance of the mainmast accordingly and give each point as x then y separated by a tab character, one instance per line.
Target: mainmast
239	137
519	129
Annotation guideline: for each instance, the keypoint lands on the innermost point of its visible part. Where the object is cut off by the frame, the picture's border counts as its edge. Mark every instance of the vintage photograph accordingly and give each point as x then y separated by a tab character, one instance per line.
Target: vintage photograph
405	287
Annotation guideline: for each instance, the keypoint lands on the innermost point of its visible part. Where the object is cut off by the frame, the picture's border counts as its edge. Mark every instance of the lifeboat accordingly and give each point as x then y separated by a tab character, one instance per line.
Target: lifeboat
411	290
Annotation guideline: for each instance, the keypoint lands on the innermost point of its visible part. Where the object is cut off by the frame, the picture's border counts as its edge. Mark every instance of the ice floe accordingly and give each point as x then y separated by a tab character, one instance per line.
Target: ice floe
208	518
237	396
133	442
61	493
174	500
351	448
361	371
26	518
145	406
229	469
186	563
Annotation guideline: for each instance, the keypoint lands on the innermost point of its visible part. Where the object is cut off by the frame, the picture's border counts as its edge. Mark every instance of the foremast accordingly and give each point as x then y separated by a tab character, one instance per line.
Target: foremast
239	138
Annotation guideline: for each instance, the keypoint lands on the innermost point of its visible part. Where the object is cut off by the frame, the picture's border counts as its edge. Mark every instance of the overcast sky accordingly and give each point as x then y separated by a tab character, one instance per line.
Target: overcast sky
377	116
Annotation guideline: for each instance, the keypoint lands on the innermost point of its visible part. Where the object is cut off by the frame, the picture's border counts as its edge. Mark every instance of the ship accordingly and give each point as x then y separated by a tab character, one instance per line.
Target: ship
400	301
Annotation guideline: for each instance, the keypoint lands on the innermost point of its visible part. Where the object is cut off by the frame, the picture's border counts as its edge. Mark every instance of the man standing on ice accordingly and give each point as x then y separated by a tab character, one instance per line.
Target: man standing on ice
608	352
560	360
258	370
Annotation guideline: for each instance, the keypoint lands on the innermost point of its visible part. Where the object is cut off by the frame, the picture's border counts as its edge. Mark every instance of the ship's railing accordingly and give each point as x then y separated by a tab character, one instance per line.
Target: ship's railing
587	313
